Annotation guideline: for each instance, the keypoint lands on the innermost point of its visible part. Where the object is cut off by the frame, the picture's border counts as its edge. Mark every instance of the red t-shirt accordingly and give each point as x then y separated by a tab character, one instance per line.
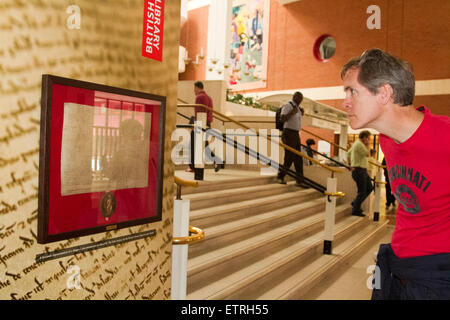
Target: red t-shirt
203	98
419	173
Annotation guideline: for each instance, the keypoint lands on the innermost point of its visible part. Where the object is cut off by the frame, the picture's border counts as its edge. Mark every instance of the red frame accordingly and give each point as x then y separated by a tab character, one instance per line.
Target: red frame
63	217
316	47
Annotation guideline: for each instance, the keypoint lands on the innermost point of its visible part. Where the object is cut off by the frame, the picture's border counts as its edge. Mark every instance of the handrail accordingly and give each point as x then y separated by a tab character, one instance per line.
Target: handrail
331	159
315	135
307	131
182	101
183	183
257	155
335	194
317	152
376	164
198	234
186	104
333	170
320	118
184	116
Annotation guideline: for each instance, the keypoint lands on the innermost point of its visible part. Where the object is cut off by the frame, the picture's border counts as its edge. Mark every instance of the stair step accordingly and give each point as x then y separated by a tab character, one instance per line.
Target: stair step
233	231
216	198
352	274
209	186
300	284
206	268
208	217
235	285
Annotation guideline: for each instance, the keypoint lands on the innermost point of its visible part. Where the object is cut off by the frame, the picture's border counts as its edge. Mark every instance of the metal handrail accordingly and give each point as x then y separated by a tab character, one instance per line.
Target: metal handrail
183	183
198	235
186	104
307	131
333	170
315	135
323	155
335	194
376	164
316	152
257	155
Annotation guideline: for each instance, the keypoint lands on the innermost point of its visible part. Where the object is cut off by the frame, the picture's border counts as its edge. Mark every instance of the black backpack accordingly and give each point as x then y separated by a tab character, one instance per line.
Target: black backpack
278	123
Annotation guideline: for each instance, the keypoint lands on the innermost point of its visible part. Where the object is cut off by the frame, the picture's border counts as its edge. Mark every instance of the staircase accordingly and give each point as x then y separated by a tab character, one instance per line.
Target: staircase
263	240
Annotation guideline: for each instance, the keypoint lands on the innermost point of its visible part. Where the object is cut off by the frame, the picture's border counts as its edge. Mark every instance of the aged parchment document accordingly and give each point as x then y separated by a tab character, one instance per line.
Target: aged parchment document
97	159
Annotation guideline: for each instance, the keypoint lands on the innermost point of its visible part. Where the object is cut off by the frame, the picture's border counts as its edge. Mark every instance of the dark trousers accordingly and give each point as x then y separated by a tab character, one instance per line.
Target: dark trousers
415	278
208	152
292	139
364	185
390	199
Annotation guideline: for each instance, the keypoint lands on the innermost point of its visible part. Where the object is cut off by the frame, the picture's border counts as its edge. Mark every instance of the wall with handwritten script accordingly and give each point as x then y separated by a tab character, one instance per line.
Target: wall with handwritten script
36	38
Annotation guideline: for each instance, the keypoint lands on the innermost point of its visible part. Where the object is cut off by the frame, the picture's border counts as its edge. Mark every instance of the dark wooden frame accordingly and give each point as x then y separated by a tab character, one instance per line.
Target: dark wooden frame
44	158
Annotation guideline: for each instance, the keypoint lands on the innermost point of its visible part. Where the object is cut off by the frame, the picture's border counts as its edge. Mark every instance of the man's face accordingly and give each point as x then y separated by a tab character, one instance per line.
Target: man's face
361	105
196	90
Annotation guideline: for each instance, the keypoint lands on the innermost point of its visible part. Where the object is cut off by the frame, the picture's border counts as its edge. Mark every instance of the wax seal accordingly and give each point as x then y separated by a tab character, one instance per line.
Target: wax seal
107	204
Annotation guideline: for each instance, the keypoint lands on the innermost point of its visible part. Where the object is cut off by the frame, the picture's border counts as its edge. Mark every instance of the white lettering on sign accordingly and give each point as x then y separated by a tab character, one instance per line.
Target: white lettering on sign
374	21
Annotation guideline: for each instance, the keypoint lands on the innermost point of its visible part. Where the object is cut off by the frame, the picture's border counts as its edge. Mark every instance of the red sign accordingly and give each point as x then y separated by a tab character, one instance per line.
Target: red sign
152	34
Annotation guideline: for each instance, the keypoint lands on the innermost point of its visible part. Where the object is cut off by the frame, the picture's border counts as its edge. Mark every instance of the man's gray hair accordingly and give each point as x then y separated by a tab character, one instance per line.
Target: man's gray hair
377	67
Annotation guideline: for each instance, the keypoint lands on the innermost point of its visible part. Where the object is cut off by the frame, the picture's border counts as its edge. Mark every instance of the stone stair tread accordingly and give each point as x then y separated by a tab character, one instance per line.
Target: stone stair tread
263	266
208	186
222	209
321	264
259	218
230	192
222	254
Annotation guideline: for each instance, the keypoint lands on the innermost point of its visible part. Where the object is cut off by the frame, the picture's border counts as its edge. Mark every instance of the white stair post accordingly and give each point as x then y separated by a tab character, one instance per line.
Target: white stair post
330	211
180	251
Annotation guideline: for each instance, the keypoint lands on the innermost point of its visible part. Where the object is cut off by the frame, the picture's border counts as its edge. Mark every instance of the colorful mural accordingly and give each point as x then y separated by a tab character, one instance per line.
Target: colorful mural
248	41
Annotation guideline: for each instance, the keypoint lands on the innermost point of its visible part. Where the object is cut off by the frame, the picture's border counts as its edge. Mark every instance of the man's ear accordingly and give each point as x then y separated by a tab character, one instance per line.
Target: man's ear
385	94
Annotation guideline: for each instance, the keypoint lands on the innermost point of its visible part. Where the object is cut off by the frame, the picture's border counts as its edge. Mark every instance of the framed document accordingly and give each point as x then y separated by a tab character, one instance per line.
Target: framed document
101	158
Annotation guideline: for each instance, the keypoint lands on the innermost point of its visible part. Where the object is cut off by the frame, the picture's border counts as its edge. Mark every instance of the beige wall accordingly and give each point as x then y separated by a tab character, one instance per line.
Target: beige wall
106	50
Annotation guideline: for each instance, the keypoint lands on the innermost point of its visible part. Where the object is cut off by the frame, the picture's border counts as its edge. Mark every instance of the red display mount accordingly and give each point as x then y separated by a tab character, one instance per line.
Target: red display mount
101	158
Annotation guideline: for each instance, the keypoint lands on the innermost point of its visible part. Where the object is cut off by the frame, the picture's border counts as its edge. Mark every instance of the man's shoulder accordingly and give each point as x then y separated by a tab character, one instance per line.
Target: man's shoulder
441	121
203	96
286	108
359	146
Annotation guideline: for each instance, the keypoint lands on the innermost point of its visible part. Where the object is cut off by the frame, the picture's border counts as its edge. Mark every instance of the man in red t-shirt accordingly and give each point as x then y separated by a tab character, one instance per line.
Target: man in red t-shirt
201	97
379	94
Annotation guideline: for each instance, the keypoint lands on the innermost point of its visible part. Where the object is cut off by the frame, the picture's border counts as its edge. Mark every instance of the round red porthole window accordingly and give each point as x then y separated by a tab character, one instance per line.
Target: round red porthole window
324	48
